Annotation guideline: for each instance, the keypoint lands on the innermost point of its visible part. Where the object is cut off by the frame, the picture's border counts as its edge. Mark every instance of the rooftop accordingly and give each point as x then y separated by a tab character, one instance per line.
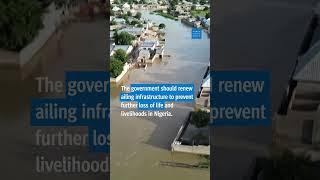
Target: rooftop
308	68
132	30
148	44
123	47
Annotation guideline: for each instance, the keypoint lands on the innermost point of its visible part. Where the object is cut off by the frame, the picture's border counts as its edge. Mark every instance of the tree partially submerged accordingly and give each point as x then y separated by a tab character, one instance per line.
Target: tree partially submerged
116	67
200	118
117	61
162	26
123	38
20	22
121	55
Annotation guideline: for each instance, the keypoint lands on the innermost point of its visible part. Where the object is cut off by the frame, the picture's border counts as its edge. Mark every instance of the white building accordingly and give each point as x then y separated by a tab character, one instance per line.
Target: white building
149	45
135	31
119	20
125	7
298	128
145	54
116	9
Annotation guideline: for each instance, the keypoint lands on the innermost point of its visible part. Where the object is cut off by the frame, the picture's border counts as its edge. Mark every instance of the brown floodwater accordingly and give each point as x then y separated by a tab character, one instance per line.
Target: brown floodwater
82	48
139	144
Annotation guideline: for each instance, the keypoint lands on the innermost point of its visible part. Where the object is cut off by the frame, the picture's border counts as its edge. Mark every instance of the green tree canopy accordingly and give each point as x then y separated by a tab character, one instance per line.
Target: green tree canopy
121	55
203	2
200	118
112	13
138	15
124	38
207	15
113	22
162	26
116	67
129	13
134	22
20	22
173	3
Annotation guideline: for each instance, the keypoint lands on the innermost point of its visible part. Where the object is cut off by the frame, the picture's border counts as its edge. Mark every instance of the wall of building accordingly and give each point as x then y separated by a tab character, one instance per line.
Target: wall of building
290	127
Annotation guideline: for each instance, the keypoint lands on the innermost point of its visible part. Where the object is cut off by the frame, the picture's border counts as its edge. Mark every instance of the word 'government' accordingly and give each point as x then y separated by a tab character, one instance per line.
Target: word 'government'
73	87
155	88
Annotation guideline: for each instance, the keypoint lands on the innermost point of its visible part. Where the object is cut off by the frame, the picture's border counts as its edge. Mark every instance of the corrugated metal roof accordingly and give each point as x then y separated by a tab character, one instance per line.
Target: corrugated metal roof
308	68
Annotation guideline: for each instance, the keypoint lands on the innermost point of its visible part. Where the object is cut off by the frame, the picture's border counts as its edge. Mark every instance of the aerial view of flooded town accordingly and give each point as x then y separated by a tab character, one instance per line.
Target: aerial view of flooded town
151	42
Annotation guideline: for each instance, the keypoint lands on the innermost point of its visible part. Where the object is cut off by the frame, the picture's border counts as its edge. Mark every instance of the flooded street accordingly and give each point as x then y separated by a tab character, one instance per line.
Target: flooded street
82	48
138	144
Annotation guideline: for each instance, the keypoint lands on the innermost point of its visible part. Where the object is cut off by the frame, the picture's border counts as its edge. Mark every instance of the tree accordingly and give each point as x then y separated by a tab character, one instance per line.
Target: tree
129	13
116	36
121	55
113	22
194	1
203	2
207	15
173	3
20	22
138	15
125	17
124	38
116	67
162	26
134	22
129	1
112	13
140	25
193	7
200	118
206	8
